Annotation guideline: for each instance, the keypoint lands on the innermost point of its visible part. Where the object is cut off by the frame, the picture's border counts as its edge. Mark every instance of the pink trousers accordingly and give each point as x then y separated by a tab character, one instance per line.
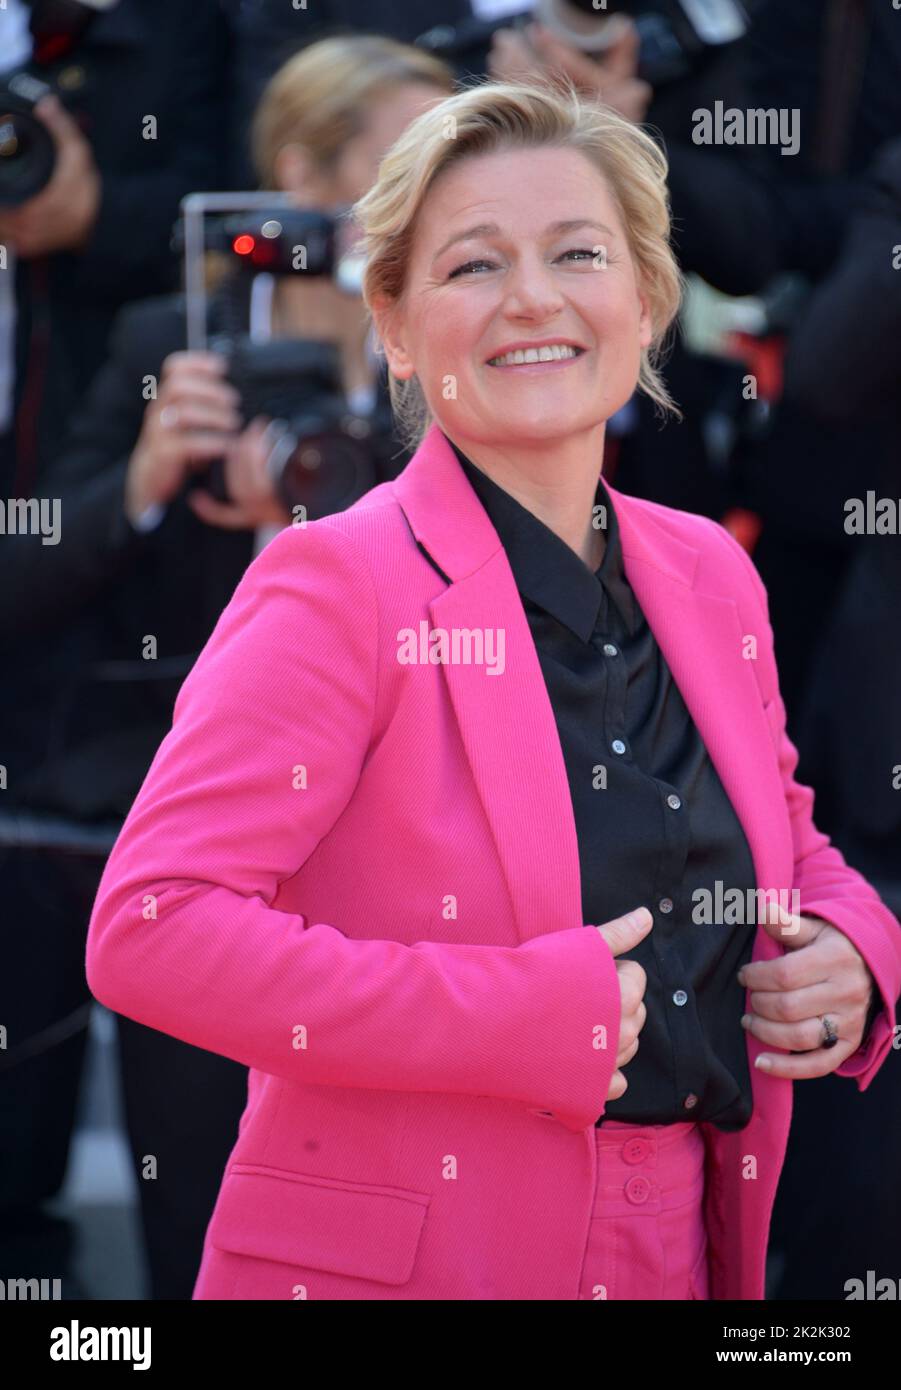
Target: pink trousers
647	1238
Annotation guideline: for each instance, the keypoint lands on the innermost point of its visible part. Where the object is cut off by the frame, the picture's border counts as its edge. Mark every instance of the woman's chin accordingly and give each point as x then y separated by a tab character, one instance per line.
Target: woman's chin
527	428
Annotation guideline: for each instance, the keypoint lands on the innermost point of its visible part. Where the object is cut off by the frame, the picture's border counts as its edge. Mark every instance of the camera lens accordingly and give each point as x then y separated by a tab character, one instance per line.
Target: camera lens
26	156
322	471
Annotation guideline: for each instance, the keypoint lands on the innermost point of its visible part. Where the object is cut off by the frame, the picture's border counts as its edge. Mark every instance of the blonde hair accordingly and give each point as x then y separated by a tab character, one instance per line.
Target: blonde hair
319	98
486	117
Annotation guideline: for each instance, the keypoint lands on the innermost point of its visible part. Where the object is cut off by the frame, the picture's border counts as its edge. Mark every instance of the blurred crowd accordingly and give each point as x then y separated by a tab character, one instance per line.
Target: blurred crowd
154	436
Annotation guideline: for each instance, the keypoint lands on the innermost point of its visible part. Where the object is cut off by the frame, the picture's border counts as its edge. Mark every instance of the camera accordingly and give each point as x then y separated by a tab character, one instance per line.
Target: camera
675	36
323	455
27	151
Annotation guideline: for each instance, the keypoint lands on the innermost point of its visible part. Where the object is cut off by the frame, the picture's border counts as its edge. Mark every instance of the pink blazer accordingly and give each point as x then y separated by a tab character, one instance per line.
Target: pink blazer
359	877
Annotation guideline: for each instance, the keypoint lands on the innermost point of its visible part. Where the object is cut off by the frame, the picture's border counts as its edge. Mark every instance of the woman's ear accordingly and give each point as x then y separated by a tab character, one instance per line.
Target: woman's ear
645	321
388	320
295	171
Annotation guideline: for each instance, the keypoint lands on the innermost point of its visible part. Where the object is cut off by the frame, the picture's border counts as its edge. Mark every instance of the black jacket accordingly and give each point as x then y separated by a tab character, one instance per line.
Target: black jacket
845	366
84	710
160	58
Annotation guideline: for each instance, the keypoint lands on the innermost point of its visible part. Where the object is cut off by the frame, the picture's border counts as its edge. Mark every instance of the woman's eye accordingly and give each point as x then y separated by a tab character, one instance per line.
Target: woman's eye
468	265
581	252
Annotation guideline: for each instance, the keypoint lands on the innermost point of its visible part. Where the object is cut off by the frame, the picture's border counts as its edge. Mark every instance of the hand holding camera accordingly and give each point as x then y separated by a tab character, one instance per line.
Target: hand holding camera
247	479
191	423
534	53
61	214
196	421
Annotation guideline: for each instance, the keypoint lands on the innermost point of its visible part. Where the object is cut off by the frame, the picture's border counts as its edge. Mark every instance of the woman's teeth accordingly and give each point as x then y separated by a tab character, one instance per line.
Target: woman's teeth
521	356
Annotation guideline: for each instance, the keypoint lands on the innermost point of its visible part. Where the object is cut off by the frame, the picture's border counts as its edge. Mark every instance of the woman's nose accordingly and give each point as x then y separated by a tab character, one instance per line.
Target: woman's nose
530	288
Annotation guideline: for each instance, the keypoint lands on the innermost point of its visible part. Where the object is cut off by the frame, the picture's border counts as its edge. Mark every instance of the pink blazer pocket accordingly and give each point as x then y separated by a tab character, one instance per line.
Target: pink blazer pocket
319	1223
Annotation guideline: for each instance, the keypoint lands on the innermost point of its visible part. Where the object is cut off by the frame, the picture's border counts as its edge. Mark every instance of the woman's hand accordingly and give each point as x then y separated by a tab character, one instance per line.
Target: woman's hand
821	973
191	423
622	935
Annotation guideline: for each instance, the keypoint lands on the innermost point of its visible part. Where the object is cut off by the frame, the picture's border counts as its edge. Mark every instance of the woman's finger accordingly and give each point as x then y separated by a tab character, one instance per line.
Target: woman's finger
791	970
803	1036
794	1005
618	1085
803	1066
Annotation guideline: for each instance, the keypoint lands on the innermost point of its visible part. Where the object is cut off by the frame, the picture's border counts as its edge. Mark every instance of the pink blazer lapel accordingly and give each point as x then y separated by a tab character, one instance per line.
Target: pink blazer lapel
506	721
702	639
704	642
508	729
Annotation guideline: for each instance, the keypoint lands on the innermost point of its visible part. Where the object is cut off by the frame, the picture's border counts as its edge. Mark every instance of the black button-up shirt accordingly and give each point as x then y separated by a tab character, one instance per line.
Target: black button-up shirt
653	820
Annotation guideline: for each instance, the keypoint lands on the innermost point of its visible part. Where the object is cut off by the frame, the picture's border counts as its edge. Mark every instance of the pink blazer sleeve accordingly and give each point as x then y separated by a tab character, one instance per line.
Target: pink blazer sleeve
829	888
184	937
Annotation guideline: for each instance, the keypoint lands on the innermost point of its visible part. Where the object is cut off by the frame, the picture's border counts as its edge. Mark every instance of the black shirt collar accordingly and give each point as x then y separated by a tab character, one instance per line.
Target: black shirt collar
547	571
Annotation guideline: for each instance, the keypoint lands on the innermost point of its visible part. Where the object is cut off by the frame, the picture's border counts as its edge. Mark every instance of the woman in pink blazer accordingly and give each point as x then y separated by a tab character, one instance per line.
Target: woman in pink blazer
354	867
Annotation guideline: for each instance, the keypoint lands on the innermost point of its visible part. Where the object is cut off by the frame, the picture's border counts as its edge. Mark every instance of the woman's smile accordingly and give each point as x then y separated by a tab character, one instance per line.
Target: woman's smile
531	367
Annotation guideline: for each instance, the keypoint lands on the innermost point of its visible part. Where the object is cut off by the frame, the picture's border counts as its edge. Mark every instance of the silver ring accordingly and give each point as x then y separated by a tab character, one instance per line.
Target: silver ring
168	417
829	1029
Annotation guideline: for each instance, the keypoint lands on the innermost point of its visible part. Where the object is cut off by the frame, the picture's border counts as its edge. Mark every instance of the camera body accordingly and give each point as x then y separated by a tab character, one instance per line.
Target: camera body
323	454
27	150
675	36
320	458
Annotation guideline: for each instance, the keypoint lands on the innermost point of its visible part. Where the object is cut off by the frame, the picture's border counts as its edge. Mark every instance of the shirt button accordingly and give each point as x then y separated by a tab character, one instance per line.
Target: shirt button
680	997
674	802
609	649
638	1190
618	746
636	1150
690	1101
665	904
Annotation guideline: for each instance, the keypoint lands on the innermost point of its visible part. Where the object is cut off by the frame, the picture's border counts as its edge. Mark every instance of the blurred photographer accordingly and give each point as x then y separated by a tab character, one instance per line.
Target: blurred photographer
843	365
166	488
110	111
